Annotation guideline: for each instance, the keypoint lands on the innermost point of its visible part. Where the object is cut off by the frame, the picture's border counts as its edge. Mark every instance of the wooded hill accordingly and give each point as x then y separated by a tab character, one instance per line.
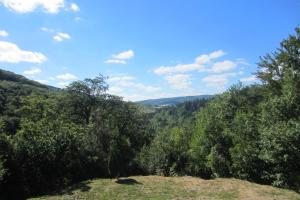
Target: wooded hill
173	100
52	138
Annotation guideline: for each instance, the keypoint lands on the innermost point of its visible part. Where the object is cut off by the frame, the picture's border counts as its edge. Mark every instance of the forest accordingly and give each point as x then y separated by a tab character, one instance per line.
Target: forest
51	138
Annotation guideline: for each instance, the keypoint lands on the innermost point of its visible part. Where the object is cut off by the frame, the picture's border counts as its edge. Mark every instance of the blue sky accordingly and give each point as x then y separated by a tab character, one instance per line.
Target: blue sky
148	49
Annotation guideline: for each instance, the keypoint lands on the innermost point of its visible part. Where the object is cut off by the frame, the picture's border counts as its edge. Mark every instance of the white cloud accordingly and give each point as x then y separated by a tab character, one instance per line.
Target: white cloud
63	84
123	82
178	78
198	65
25	6
115	90
33	71
203	59
124	55
145	88
223	66
114	61
179	81
3	33
178	68
66	77
48	30
249	79
218	81
59	37
120	78
242	61
74	7
42	81
11	53
120	57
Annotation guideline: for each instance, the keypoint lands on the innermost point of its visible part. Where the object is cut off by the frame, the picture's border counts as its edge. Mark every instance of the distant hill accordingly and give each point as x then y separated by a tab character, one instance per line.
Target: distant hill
172	100
10	77
19	79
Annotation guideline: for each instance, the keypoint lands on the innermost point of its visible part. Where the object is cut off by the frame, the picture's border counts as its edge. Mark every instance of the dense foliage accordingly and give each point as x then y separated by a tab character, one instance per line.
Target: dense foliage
248	132
52	138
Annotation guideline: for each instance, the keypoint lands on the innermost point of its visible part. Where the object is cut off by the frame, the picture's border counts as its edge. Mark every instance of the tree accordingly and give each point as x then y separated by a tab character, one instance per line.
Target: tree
82	97
51	155
280	113
281	153
282	67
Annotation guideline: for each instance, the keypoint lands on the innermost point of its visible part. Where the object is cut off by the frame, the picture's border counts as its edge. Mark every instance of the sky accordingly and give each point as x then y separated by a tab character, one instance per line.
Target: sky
147	48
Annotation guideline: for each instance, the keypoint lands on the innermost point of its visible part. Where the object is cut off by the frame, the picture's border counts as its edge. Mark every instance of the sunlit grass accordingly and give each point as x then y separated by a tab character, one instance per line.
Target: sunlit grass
161	188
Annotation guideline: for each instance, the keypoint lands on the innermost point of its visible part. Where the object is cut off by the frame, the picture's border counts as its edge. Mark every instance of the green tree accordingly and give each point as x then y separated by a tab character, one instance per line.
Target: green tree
82	97
281	113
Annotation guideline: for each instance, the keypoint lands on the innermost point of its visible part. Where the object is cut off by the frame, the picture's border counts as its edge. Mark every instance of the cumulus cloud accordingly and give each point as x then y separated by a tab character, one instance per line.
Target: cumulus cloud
114	61
123	82
206	58
121	58
3	33
120	78
178	68
33	71
74	7
11	53
115	90
198	65
124	55
249	79
217	74
66	77
179	81
218	81
223	66
25	6
146	88
59	37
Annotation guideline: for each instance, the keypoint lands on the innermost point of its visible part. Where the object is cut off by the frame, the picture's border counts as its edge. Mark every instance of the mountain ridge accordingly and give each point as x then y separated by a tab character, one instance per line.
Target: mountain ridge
20	79
173	100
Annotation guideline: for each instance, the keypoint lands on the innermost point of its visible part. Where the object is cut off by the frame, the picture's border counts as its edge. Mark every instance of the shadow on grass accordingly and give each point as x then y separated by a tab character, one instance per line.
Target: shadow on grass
127	181
83	187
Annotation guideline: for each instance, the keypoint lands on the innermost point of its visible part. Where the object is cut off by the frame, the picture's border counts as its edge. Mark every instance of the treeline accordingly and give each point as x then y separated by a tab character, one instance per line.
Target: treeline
50	139
248	132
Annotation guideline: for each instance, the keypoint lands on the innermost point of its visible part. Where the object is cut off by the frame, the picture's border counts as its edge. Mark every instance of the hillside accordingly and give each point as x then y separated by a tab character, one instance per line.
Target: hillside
157	187
173	100
11	77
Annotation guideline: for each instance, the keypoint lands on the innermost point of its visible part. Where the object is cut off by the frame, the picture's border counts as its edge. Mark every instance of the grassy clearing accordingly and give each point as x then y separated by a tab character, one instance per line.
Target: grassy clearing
157	187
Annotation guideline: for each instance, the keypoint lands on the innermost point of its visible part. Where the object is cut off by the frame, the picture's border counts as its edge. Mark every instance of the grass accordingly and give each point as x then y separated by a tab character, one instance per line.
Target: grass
179	188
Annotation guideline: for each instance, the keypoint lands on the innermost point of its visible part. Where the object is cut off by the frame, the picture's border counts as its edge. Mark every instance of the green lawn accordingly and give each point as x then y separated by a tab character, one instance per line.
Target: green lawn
157	187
